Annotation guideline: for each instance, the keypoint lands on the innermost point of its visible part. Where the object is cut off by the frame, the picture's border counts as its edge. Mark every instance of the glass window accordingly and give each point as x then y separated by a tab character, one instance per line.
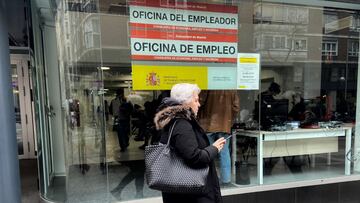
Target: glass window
355	22
300	45
303	15
279	42
294	124
279	14
268	41
92	35
353	48
330	48
292	15
331	22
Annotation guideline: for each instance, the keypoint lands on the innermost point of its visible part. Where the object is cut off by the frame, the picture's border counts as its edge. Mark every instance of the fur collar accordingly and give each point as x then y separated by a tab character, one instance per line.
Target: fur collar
163	117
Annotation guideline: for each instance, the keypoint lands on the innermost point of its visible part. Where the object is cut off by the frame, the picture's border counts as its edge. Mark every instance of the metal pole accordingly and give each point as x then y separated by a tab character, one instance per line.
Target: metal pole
9	170
356	149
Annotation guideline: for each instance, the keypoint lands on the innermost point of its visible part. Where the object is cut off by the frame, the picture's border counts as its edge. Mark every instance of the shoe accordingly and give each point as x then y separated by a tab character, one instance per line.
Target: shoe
116	194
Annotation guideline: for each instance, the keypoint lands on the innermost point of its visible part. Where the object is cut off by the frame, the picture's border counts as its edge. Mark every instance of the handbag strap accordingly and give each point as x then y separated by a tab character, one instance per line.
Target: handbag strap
171	131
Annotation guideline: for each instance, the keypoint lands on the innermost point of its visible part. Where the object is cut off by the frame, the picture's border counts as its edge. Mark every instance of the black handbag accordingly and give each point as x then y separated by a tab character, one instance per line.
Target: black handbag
167	172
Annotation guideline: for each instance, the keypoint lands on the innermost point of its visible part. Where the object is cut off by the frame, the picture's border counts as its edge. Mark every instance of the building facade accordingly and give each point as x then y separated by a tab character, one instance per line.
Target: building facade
303	139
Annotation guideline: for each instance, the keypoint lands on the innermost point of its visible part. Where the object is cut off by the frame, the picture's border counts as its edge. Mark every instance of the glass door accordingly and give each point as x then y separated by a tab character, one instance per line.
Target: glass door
22	147
22	102
41	112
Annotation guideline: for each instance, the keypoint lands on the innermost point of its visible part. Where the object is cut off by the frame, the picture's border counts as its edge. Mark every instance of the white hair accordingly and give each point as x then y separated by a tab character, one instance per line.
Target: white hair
184	92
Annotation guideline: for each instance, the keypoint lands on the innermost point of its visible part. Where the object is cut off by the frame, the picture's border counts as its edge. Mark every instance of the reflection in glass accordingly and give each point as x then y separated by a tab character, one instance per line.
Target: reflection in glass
108	124
313	73
16	92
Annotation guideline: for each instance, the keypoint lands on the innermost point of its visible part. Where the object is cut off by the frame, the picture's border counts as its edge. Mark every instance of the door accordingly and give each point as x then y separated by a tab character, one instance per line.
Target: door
23	106
41	120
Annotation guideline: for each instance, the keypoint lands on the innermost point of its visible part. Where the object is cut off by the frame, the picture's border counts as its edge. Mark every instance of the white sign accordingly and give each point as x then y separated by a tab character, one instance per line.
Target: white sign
183	31
248	71
182	48
165	16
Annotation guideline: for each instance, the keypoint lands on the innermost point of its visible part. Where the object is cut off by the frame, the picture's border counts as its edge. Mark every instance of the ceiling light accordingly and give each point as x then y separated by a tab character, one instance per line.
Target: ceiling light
105	68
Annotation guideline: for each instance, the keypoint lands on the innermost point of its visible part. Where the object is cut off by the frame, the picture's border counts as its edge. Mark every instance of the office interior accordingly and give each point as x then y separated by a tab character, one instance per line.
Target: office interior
83	59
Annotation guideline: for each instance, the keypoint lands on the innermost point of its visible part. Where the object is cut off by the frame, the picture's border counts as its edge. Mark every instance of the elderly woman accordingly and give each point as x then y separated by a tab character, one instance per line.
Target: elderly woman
189	140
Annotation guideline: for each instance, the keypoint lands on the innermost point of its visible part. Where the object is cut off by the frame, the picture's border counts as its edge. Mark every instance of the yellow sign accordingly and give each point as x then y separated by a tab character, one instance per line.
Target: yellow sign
155	77
247	60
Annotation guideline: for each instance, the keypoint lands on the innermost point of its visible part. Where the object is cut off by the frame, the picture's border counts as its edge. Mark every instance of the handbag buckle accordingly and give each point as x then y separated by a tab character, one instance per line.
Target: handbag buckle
167	150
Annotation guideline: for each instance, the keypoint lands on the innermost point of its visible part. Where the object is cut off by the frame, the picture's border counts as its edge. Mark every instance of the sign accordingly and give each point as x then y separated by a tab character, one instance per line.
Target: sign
248	71
221	78
151	77
163	77
183	31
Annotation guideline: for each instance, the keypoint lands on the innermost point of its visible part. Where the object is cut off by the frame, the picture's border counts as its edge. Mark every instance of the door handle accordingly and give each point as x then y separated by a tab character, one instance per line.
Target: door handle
50	111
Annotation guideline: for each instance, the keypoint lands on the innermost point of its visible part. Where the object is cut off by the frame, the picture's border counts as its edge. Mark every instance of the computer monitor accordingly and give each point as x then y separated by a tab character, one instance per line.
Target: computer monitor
273	112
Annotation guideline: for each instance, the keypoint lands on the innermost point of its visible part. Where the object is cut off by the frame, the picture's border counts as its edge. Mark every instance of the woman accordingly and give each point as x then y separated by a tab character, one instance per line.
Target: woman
189	140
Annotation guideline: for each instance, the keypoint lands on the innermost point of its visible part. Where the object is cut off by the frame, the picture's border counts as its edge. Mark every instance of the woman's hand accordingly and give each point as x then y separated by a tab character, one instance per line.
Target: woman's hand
219	143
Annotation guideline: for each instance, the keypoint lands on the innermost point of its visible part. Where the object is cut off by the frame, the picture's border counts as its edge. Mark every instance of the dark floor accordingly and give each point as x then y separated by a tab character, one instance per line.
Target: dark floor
346	192
29	185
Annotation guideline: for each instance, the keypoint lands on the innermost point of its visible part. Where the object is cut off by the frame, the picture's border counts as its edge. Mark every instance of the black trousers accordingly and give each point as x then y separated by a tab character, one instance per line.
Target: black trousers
123	131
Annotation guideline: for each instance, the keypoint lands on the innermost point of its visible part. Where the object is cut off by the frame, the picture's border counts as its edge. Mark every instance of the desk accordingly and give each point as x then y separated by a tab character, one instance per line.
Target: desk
305	141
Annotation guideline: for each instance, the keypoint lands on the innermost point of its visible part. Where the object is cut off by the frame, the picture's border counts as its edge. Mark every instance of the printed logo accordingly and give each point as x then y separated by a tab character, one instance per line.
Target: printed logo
153	79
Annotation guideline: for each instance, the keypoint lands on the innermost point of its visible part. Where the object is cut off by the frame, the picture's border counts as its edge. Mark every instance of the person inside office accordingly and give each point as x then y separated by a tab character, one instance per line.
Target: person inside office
217	121
278	109
265	99
274	113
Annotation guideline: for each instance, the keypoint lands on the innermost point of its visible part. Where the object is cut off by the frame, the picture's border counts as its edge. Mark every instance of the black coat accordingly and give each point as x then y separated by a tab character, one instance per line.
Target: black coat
191	143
